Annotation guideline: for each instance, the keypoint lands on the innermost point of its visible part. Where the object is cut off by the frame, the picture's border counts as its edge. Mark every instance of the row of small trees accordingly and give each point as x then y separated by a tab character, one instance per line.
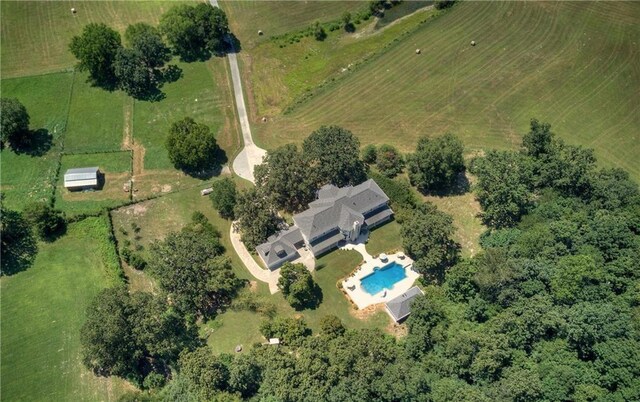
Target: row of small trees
138	68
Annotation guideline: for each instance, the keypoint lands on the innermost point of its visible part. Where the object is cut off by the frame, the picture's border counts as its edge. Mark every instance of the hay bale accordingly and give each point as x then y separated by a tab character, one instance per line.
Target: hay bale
260	33
473	43
418	51
73	10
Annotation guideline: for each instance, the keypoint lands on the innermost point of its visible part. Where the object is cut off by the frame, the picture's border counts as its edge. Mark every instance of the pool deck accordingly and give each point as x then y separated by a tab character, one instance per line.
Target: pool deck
361	298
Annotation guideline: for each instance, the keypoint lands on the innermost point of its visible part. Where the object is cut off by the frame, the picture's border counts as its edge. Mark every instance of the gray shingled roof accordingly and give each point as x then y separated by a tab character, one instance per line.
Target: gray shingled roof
280	247
337	204
400	307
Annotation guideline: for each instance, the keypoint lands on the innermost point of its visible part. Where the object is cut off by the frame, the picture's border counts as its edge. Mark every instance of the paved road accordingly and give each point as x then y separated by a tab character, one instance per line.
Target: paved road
251	155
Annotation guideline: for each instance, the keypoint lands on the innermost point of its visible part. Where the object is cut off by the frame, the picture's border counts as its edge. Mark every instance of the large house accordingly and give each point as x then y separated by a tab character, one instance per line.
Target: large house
339	214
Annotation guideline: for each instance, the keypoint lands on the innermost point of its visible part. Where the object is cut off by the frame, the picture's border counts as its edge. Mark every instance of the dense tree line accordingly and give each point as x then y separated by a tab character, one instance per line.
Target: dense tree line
138	67
546	311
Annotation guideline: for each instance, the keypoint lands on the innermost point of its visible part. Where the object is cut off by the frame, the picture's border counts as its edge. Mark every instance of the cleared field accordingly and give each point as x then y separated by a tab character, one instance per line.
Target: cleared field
202	94
96	118
43	309
116	167
28	178
279	17
35	35
280	76
573	64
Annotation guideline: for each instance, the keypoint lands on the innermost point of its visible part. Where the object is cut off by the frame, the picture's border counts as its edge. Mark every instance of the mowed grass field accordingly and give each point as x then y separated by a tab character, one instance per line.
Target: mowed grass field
274	18
28	178
43	309
35	35
572	64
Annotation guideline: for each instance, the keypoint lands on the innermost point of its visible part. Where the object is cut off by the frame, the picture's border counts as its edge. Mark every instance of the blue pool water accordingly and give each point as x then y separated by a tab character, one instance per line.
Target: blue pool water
383	278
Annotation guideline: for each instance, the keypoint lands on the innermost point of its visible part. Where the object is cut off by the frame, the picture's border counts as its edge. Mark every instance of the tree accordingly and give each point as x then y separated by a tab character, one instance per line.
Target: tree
244	376
347	23
426	237
538	140
195	32
108	342
297	286
426	315
14	122
256	220
96	49
147	42
133	76
436	163
318	32
224	196
46	221
331	326
18	245
192	146
204	373
369	154
572	274
284	176
333	153
291	331
504	187
190	267
389	161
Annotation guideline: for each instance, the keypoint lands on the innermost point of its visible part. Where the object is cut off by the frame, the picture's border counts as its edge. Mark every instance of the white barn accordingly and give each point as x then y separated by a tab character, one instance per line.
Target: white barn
81	178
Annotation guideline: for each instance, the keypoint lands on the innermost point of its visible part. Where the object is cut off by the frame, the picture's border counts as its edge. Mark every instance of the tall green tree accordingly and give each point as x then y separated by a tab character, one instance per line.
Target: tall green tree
18	245
538	141
426	237
192	146
194	32
45	220
147	41
389	161
333	153
256	219
14	121
436	163
504	187
96	49
205	373
133	76
190	267
224	196
285	176
297	286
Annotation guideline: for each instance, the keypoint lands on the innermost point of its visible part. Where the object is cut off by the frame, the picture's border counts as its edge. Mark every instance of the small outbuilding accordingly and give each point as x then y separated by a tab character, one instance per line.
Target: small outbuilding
82	178
399	308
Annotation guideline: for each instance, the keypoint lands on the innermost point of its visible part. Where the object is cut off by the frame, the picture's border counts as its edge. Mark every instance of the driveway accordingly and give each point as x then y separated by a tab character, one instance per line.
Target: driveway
251	155
261	274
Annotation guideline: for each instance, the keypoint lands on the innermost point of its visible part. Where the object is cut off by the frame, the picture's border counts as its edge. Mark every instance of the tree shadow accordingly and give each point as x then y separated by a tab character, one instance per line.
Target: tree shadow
213	169
21	253
233	44
461	186
34	143
350	27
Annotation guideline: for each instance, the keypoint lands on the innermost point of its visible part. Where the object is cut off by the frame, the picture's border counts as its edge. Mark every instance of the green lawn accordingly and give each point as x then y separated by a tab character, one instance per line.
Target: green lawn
36	34
572	64
96	118
385	239
43	309
31	178
202	94
116	169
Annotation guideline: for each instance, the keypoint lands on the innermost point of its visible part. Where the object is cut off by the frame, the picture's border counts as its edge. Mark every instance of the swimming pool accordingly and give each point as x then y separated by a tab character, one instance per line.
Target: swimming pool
383	278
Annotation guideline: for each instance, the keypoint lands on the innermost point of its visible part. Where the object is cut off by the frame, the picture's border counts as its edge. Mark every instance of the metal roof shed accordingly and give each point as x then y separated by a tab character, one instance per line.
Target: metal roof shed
81	178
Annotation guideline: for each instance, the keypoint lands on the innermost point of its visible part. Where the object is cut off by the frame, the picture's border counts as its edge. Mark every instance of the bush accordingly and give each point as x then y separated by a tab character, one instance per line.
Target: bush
154	380
389	161
331	326
47	222
290	331
318	32
369	154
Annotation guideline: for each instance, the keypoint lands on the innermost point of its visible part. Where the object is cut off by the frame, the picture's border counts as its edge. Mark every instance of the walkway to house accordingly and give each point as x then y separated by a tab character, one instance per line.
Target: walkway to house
360	246
261	274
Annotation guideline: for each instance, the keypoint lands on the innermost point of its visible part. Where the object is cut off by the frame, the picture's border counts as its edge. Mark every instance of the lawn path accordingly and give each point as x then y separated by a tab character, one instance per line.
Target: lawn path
251	155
